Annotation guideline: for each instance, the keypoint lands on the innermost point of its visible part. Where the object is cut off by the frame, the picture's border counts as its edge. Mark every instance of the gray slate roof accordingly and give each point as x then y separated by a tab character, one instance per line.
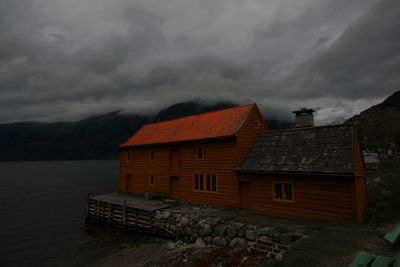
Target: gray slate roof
327	149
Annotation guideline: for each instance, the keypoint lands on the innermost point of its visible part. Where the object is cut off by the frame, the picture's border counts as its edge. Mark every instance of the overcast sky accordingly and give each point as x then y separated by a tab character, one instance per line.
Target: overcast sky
69	59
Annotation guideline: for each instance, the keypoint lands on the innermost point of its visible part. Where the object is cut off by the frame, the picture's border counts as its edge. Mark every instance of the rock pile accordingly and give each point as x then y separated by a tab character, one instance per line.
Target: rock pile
189	227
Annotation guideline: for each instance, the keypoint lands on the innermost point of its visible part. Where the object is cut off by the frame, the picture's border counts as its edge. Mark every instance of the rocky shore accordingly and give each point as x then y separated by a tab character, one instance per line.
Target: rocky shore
190	235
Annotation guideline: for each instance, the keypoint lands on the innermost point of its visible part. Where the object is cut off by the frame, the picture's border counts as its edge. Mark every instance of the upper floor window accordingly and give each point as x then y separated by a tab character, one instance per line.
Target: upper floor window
200	152
129	156
152	179
152	155
256	124
205	182
283	192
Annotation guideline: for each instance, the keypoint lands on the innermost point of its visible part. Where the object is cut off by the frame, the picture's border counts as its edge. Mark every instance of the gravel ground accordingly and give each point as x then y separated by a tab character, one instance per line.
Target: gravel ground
155	253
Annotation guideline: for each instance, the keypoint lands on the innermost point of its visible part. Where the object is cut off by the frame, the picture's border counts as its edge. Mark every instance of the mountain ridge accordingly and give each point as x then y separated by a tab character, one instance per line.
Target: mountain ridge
379	125
95	137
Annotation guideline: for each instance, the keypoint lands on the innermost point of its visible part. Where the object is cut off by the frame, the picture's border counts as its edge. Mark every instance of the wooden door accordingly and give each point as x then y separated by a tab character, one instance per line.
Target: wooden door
244	195
174	159
174	186
128	182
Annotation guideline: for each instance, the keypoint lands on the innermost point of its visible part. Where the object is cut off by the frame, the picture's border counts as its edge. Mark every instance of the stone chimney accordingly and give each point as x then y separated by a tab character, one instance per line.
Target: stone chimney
304	118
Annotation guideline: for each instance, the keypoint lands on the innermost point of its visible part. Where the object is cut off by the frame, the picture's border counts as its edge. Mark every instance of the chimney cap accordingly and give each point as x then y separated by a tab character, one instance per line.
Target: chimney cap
303	110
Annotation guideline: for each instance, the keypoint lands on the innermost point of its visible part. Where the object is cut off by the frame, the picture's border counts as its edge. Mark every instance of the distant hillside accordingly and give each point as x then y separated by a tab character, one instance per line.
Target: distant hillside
96	137
393	101
92	138
380	124
189	108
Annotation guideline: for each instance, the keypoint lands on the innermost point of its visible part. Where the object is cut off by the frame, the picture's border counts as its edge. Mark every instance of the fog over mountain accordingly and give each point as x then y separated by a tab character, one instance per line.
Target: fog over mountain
66	60
96	137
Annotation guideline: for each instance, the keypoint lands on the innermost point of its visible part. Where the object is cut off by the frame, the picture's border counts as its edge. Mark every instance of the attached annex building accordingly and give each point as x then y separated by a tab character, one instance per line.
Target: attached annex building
230	158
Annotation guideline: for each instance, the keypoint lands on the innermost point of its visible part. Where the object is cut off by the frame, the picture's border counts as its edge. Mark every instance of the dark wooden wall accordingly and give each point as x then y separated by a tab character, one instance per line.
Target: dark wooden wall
360	190
314	197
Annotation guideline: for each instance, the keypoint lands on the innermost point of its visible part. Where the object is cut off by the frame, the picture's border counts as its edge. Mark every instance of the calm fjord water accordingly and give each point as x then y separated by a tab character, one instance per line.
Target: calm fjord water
42	207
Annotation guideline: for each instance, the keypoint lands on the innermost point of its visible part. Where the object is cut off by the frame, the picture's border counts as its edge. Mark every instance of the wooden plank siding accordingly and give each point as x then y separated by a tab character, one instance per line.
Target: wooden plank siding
247	133
315	198
221	157
360	184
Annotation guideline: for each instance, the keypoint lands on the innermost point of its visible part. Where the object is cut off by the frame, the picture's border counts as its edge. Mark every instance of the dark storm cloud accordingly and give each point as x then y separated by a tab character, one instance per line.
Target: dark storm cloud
364	61
66	59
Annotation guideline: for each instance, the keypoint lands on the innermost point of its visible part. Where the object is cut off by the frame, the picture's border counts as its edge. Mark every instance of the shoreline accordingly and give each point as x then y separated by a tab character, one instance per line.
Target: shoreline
155	252
163	253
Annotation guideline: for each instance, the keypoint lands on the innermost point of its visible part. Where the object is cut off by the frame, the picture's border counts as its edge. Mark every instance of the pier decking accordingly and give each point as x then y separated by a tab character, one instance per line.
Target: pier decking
124	210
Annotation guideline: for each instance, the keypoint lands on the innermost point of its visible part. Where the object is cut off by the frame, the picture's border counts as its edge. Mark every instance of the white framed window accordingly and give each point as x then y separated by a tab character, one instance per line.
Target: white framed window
205	182
129	155
152	179
200	152
283	191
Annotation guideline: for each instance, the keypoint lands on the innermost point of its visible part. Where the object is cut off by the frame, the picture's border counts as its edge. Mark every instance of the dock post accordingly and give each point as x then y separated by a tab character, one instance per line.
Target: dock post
124	214
98	210
87	205
136	220
109	214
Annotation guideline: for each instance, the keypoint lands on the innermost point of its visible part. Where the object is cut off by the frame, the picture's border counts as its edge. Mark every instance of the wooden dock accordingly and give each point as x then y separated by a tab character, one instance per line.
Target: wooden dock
124	210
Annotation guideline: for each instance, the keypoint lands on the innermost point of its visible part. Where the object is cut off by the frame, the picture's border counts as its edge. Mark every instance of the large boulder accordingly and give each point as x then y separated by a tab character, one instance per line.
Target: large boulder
237	241
177	215
275	236
170	245
219	241
231	231
220	229
264	238
188	231
207	230
237	225
166	214
263	231
249	234
200	243
240	233
184	221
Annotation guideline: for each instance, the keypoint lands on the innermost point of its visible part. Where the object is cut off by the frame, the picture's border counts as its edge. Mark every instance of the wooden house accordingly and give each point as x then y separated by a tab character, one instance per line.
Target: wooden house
229	158
314	172
193	158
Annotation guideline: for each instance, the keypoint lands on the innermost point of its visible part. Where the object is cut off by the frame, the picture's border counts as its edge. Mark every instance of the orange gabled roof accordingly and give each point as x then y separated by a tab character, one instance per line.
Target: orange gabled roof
212	124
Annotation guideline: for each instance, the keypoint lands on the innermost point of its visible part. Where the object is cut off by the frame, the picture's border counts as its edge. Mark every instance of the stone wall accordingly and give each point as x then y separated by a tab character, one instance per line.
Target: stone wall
190	227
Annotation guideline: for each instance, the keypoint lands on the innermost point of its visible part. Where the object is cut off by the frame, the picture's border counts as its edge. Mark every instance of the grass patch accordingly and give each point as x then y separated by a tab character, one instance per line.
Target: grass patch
325	245
247	217
384	209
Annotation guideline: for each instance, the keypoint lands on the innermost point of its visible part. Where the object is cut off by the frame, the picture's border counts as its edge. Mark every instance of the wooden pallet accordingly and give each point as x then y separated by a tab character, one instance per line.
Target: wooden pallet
267	249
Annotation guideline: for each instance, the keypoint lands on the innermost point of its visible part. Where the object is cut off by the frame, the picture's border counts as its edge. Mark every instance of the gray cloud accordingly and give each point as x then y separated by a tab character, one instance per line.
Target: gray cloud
363	61
66	59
